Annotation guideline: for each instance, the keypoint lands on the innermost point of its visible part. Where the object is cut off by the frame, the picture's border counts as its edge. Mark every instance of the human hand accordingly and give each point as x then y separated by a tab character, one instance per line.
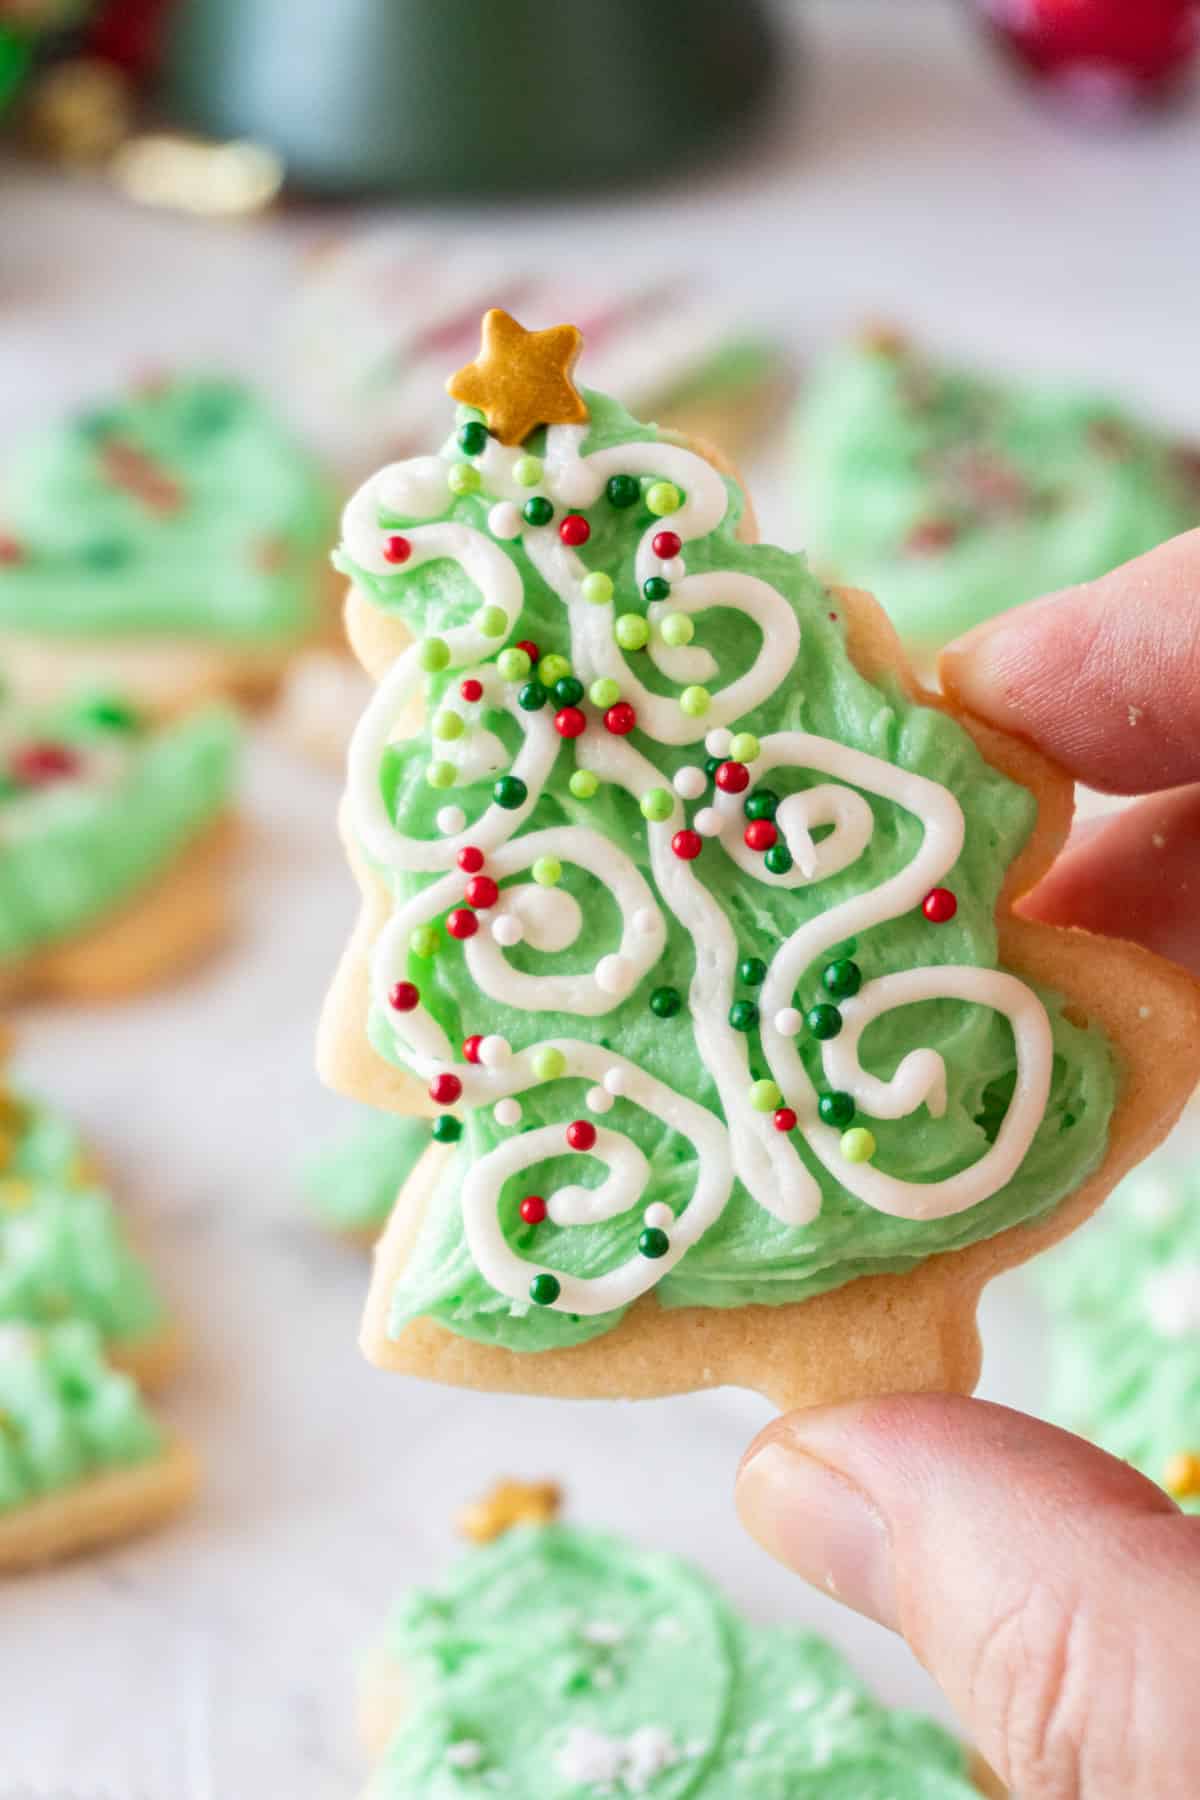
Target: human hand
1050	1590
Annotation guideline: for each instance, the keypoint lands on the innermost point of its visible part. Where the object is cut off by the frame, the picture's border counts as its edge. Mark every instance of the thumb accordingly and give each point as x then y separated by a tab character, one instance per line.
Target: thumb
1050	1590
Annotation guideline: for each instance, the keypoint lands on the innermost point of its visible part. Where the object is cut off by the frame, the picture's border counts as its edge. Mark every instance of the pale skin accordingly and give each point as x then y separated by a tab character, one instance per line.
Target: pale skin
1052	1592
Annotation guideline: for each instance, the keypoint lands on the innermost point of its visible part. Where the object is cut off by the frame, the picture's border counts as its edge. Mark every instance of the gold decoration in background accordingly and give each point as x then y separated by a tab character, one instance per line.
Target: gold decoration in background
186	174
508	1504
522	379
1181	1477
79	111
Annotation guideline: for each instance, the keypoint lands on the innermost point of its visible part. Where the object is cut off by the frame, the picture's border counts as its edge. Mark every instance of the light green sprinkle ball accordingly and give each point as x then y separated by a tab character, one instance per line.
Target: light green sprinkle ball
553	668
513	664
663	498
657	804
527	471
584	784
857	1144
597	588
435	655
604	691
424	941
547	871
695	701
548	1064
440	774
463	478
492	621
765	1096
631	631
448	726
677	628
745	747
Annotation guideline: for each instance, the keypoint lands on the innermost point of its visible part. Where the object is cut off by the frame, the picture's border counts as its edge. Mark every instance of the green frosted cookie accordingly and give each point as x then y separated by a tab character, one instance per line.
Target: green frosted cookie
180	511
1125	1300
951	496
352	1183
95	804
566	1664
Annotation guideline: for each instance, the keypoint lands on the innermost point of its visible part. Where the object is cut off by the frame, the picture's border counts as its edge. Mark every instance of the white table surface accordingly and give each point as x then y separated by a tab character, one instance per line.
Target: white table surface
215	1661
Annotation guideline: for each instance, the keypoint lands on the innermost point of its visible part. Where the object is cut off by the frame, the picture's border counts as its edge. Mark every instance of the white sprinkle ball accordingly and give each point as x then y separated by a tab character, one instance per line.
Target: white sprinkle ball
658	1216
615	1081
788	1022
708	822
504	520
598	1101
645	920
465	1754
450	820
507	930
614	974
507	1112
495	1052
718	741
674	569
690	781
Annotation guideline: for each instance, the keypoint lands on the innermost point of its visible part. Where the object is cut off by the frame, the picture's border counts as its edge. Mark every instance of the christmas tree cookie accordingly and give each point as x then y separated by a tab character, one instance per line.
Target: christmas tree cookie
692	919
952	496
113	833
173	543
635	1676
353	1182
1125	1298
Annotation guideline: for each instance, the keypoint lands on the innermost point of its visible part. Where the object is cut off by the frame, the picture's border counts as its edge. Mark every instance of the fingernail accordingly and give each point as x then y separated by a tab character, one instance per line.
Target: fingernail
820	1524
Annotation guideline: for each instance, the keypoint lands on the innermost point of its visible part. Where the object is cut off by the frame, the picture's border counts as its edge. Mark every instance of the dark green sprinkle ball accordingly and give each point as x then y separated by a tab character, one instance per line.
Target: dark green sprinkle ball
537	510
743	1015
842	979
622	490
544	1289
568	691
752	970
109	714
712	764
823	1021
653	1242
656	587
472	439
836	1109
447	1129
106	553
761	804
778	859
510	792
665	1002
532	696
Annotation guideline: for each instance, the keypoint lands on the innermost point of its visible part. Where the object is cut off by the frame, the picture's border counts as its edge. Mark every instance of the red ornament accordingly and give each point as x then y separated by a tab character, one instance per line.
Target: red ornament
760	834
531	650
471	1046
930	537
666	544
397	550
574	530
732	778
570	722
470	859
11	551
37	764
620	719
687	845
784	1119
404	996
939	906
581	1134
481	891
462	923
471	690
1102	57
533	1209
444	1090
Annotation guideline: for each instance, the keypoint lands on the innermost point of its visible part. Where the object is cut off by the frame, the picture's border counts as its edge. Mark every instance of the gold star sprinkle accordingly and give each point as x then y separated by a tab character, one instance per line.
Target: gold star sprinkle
508	1504
1181	1477
522	379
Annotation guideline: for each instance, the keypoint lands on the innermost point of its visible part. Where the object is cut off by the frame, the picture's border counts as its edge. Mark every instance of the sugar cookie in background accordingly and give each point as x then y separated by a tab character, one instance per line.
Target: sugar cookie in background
114	834
952	495
693	914
1125	1304
352	1182
172	542
598	1667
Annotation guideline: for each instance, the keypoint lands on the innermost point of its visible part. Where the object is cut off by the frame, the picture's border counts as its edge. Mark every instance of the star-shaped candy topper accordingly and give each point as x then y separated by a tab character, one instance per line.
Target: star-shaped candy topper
522	379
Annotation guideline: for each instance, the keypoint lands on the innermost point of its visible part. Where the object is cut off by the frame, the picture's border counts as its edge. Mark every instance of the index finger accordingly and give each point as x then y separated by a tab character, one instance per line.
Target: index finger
1104	678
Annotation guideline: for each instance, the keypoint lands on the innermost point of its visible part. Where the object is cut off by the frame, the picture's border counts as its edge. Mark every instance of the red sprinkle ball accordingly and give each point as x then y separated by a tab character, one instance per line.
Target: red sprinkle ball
574	530
10	550
666	544
533	1209
939	906
482	892
471	1046
38	763
620	719
732	777
397	550
470	859
471	690
687	845
531	650
760	834
444	1090
570	722
581	1134
784	1119
404	996
462	922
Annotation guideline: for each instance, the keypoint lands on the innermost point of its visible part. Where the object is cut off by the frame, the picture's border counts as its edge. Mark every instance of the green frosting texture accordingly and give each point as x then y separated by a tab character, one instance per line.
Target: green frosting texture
1125	1301
352	1183
63	1250
952	496
565	1663
181	510
65	1414
747	1254
94	804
